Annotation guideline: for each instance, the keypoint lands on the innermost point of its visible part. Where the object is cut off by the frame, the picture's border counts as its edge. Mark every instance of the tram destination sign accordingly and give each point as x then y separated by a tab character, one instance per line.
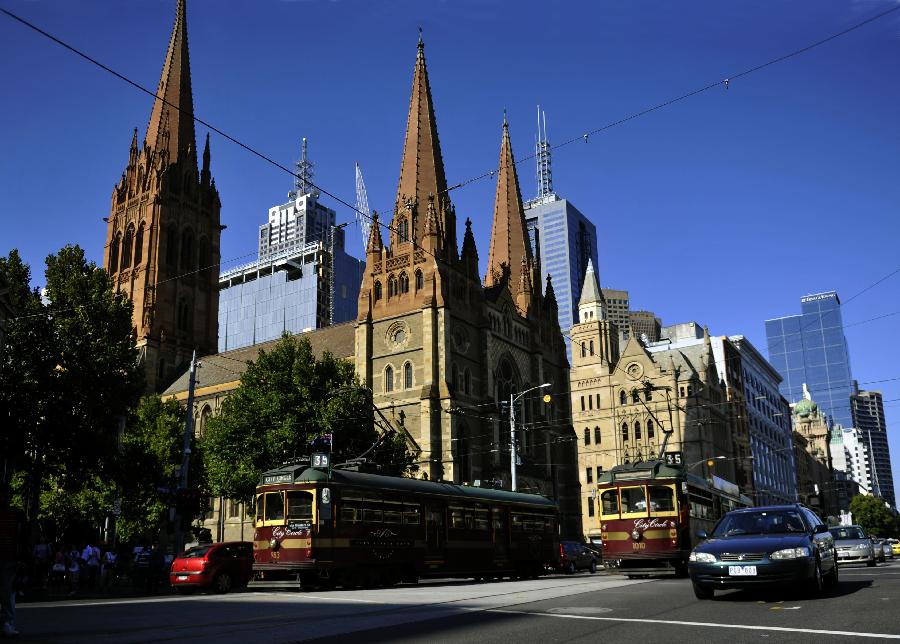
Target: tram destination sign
271	479
674	459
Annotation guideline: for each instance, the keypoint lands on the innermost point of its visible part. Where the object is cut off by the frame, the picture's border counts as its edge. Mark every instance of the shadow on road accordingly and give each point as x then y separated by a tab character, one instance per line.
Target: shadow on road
843	589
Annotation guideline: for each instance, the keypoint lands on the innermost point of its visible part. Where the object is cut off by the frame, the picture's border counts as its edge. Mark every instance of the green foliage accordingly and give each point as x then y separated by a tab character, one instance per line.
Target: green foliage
287	398
151	455
68	378
871	513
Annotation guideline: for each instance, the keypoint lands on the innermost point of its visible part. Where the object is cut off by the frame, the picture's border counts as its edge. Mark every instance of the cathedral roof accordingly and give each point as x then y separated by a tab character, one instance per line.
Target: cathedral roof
226	368
590	292
422	167
509	234
173	107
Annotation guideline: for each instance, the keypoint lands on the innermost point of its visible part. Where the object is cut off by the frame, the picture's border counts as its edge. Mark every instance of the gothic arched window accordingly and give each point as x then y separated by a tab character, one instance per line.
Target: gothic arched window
172	247
403	230
635	396
649	429
388	379
591	349
637	430
127	247
624	432
377	290
583	349
139	246
205	413
467	381
404	282
407	375
187	250
623	398
184	315
597	434
114	253
420	282
392	286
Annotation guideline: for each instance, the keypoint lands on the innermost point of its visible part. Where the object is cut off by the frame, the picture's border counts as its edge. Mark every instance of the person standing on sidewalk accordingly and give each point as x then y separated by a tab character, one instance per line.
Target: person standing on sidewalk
10	545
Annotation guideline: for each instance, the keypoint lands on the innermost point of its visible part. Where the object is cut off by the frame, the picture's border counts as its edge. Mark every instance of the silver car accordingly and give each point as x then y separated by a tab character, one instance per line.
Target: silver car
853	546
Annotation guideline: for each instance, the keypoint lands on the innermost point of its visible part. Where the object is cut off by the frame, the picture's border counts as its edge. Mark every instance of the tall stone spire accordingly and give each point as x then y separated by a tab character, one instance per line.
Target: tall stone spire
509	236
422	167
173	107
591	305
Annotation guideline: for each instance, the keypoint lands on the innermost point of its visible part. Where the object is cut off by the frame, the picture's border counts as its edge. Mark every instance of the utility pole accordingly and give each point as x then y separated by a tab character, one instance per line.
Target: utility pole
186	459
512	443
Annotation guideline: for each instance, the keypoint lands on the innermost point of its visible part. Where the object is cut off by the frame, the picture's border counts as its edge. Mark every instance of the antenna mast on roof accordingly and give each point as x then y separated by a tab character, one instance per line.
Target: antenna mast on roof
363	216
542	156
303	176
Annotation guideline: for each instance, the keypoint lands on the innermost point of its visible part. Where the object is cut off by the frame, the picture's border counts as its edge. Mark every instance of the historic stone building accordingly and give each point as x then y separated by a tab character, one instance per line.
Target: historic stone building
442	349
630	404
812	453
162	241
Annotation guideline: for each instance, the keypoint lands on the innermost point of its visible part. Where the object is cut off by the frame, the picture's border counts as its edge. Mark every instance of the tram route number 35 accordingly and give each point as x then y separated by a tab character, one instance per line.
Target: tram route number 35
321	460
673	458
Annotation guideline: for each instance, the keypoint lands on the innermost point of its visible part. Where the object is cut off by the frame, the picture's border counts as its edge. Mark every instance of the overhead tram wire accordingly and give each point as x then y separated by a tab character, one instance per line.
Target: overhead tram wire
585	136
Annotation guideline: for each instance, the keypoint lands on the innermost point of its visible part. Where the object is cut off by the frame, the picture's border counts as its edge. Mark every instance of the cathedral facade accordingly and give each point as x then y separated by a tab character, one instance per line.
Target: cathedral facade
444	350
162	240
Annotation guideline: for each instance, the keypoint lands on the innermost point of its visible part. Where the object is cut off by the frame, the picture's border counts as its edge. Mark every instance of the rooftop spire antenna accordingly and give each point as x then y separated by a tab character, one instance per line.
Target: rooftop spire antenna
304	174
363	216
542	158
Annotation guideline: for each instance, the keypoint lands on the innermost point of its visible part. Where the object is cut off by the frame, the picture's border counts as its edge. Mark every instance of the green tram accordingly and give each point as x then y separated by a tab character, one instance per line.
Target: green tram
357	529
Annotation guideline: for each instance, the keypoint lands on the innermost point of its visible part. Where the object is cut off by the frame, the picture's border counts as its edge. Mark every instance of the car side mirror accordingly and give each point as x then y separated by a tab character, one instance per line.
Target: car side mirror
821	528
701	534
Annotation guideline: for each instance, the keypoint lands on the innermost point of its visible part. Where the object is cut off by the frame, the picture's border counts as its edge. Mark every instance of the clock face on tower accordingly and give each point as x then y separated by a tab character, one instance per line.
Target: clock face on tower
634	371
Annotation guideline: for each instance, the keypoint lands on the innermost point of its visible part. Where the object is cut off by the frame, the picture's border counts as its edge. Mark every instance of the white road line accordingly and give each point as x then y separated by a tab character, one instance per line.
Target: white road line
748	627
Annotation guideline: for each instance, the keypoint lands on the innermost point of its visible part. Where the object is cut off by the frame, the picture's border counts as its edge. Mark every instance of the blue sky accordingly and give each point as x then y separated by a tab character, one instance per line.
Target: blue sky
725	208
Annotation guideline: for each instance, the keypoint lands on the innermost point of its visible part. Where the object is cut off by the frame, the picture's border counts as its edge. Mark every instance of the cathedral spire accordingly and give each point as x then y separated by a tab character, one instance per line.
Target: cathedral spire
173	107
422	167
509	235
204	173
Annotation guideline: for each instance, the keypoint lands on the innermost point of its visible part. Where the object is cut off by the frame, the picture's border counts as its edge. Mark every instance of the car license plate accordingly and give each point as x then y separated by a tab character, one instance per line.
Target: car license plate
182	577
742	571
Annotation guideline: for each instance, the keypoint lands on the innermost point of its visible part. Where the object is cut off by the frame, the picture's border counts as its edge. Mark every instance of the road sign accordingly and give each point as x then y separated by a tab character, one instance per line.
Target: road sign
674	459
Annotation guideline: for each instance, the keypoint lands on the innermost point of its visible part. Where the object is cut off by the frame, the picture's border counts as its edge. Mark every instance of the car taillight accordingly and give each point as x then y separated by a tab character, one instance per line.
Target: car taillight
204	565
562	552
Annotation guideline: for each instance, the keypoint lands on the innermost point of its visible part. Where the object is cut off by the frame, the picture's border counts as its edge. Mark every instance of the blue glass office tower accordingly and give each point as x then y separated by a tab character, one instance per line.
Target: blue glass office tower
562	240
811	348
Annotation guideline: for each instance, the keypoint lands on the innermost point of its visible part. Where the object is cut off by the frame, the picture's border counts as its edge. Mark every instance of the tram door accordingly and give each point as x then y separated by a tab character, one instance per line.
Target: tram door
434	529
499	533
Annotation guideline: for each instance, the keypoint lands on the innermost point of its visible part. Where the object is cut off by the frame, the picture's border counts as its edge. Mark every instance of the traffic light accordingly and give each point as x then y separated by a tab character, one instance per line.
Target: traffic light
547	398
710	462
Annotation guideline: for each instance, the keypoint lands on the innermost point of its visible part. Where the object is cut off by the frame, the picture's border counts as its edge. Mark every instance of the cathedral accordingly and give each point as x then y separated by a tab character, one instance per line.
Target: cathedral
443	348
162	239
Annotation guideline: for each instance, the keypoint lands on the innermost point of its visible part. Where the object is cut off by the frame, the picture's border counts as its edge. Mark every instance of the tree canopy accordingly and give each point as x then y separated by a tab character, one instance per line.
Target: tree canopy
874	517
287	400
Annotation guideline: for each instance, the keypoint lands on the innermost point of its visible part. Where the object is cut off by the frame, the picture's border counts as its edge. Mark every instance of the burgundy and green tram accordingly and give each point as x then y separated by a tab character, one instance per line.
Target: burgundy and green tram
358	529
650	514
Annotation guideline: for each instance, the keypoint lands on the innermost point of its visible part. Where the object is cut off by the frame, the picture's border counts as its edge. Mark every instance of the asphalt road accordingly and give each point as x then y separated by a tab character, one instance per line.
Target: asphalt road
582	607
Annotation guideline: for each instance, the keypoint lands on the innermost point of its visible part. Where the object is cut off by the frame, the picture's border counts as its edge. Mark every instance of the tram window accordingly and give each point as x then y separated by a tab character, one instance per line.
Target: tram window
372	515
634	500
274	506
410	514
260	505
610	501
662	498
349	514
393	511
517	524
299	505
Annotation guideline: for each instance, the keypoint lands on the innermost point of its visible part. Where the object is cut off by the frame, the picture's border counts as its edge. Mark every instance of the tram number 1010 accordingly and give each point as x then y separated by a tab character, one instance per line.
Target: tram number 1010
638	545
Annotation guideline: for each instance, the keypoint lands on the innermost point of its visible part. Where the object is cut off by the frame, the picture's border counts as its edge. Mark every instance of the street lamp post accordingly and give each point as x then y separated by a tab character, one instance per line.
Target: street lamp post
513	397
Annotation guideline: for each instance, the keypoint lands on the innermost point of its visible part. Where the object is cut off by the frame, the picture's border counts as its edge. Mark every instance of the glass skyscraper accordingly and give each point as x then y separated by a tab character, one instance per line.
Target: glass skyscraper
562	240
811	348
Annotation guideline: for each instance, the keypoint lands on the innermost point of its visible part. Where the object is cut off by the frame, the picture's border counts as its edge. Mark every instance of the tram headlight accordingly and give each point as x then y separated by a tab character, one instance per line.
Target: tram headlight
790	553
273	543
635	535
702	557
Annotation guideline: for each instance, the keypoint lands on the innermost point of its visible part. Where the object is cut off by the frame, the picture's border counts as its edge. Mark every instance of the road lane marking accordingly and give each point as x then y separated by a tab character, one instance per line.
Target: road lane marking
673	622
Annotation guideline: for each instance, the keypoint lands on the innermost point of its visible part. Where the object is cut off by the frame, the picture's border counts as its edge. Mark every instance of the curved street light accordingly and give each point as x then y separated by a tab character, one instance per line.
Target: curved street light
513	397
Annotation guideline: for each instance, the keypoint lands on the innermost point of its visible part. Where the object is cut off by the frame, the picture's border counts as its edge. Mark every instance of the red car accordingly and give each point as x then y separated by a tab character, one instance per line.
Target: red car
216	566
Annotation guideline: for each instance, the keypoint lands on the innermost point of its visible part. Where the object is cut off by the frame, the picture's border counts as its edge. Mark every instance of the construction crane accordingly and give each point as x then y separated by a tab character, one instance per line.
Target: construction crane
363	216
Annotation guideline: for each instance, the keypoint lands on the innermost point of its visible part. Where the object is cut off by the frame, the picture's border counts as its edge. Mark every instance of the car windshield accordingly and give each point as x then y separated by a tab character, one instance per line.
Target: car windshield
847	533
761	522
195	552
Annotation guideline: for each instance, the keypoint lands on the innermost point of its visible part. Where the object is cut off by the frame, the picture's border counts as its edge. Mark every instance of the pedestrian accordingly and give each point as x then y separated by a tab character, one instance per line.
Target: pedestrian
73	569
141	565
10	545
108	574
91	558
155	570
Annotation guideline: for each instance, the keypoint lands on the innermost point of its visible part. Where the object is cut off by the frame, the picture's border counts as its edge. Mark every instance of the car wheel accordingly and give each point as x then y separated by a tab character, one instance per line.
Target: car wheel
222	583
832	580
703	592
817	583
593	567
570	569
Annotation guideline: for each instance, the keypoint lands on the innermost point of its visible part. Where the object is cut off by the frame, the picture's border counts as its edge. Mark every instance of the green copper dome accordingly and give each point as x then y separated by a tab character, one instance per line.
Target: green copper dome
805	408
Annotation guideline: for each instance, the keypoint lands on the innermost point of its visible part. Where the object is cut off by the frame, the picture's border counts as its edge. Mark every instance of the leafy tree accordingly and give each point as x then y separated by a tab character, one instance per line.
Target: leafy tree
68	378
871	513
287	398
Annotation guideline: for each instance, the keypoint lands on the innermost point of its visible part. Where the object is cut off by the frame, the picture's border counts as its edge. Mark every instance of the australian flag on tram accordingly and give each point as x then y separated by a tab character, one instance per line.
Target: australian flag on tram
322	440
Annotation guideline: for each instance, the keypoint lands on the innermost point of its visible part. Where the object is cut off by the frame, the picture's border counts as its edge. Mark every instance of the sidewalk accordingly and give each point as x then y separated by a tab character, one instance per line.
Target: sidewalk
124	589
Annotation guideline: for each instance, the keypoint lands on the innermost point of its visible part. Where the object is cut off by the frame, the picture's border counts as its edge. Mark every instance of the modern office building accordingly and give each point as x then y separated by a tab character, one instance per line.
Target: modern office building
850	454
811	348
645	324
293	286
769	416
618	311
868	418
562	239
